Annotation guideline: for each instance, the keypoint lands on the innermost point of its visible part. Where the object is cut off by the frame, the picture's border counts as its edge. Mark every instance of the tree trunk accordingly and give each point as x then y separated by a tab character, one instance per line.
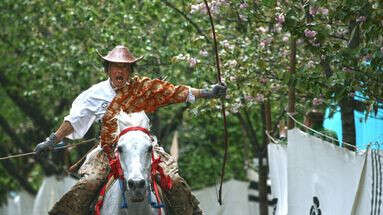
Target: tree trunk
293	61
348	121
262	156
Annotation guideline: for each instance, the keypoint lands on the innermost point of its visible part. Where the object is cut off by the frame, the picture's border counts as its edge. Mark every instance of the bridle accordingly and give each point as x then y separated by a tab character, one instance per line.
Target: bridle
117	171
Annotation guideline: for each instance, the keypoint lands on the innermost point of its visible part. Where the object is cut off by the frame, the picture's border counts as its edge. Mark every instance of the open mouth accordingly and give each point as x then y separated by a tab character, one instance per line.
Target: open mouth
120	79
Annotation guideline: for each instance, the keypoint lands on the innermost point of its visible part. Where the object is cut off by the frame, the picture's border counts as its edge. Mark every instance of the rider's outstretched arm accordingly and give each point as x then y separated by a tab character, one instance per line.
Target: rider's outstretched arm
64	130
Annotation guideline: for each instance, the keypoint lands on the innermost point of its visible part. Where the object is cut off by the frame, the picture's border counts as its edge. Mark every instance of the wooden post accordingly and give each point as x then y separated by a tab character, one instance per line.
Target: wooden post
262	156
293	62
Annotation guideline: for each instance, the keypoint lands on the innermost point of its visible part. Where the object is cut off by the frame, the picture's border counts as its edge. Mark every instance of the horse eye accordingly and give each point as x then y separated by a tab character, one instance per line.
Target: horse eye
119	149
150	149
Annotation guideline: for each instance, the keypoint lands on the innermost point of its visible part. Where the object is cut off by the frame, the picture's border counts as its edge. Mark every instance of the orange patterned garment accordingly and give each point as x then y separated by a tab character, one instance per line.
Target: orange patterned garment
140	94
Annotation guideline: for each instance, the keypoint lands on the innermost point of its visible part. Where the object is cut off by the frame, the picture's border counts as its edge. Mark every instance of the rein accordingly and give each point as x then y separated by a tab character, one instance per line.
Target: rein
116	172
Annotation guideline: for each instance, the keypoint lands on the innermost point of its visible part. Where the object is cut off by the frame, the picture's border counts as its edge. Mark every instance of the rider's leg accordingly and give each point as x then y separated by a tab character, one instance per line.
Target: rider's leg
179	197
78	199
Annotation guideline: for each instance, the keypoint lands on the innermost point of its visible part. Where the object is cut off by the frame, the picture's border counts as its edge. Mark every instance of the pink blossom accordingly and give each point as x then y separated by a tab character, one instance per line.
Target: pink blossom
180	57
266	42
361	19
232	78
248	98
192	62
231	63
214	8
262	29
285	53
235	108
243	5
243	17
203	53
323	11
285	38
314	43
346	69
310	33
313	11
381	50
278	28
310	64
221	2
280	18
227	45
263	80
198	8
260	97
317	101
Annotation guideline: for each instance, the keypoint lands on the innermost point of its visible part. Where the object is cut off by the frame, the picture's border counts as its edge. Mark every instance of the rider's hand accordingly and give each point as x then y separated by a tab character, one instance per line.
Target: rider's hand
47	145
215	91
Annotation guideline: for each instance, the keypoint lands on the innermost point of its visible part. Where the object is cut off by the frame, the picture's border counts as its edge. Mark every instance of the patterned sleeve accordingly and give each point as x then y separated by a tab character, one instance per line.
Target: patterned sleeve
152	94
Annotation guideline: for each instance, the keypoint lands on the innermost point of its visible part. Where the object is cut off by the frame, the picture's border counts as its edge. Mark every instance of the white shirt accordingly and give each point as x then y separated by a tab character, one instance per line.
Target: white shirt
88	107
91	106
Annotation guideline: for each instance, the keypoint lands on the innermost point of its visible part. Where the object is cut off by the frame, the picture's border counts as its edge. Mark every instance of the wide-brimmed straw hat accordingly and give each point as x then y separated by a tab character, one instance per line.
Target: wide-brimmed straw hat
120	54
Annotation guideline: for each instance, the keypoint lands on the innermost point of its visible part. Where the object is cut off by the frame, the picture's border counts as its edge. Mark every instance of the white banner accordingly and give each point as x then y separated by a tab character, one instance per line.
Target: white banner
50	192
278	175
322	177
369	198
19	203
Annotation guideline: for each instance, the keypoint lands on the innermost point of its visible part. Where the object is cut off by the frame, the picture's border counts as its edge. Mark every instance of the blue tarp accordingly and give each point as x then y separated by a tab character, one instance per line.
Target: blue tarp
367	131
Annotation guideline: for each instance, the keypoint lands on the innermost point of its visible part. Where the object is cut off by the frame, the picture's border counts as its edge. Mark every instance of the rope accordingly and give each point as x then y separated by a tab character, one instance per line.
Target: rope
18	155
270	137
317	132
61	147
76	144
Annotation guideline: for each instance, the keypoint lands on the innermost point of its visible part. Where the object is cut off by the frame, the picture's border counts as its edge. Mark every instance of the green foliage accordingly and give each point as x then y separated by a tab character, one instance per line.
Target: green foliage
49	55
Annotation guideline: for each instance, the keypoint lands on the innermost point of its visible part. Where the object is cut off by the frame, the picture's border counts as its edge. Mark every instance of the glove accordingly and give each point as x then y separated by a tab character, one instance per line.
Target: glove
47	145
215	91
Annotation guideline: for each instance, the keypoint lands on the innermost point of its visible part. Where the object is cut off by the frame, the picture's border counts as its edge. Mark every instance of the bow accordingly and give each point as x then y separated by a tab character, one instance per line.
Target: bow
222	104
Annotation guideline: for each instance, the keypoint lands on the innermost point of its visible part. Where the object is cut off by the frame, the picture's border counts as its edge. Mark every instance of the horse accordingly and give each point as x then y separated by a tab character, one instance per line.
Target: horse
134	149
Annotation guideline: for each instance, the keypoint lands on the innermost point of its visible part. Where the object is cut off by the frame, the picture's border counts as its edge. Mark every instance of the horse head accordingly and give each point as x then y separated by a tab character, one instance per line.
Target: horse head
134	148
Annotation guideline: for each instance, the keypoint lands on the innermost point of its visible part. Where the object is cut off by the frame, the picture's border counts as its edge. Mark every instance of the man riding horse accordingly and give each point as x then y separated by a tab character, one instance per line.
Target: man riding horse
132	94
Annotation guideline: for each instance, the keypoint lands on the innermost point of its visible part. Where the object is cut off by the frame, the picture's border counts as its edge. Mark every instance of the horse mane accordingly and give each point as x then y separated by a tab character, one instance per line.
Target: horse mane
137	119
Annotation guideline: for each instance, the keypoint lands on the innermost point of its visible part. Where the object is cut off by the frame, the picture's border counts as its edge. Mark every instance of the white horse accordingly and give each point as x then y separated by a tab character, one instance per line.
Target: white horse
135	151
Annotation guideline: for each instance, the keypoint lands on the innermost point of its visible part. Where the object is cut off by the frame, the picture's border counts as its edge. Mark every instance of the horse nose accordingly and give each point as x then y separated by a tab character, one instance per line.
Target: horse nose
133	184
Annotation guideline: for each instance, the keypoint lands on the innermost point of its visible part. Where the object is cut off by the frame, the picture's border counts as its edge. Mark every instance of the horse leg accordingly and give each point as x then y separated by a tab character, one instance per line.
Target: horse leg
78	199
179	198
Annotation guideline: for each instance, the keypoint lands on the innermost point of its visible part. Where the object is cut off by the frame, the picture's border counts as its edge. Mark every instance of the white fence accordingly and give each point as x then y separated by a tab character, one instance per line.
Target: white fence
21	203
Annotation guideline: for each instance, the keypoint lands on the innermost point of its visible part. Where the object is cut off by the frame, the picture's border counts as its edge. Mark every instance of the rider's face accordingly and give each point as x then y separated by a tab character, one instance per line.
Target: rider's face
119	74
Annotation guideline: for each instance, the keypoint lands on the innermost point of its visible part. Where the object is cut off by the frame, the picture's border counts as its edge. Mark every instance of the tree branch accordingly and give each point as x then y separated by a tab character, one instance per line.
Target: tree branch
13	171
27	106
176	120
248	130
48	167
185	16
7	128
